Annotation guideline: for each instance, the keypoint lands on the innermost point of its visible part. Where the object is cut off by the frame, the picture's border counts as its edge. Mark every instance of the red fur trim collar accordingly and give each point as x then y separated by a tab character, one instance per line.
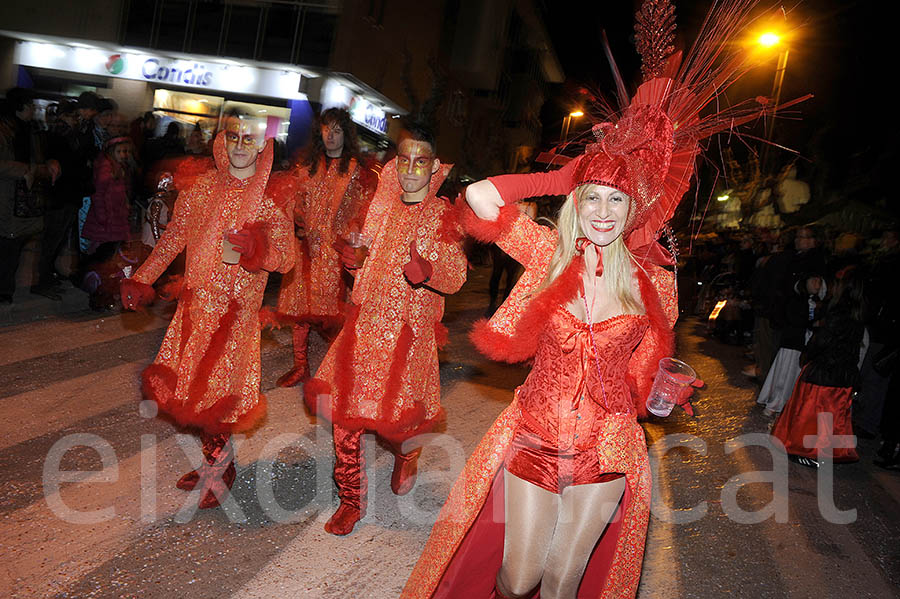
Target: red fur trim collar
489	231
522	344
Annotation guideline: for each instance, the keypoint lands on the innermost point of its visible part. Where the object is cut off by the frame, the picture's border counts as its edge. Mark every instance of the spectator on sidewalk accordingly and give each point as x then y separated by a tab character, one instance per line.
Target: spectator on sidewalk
24	181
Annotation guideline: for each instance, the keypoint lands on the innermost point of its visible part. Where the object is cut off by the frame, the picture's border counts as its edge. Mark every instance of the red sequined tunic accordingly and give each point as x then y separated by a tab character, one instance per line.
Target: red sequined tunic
207	372
331	204
382	370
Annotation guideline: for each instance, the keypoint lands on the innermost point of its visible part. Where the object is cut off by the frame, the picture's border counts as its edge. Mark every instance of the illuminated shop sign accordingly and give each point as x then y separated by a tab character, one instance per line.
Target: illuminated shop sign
367	114
222	76
362	111
155	70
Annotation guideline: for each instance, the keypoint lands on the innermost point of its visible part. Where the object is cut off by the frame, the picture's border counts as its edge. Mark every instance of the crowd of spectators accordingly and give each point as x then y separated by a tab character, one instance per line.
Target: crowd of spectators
80	178
787	296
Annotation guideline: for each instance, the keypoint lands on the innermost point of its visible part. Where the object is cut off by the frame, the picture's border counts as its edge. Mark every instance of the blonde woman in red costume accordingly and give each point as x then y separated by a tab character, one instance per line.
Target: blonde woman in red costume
556	496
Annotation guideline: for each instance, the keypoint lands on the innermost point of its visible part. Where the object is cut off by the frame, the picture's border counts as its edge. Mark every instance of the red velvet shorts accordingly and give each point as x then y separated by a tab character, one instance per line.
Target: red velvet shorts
532	459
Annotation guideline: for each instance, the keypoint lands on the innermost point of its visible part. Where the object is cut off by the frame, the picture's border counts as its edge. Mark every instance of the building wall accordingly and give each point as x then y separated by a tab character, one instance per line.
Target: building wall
133	97
85	19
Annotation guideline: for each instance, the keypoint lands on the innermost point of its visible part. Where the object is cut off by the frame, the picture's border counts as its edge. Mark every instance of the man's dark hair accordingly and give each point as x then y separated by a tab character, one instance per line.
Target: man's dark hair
17	98
66	107
89	100
106	105
420	132
332	116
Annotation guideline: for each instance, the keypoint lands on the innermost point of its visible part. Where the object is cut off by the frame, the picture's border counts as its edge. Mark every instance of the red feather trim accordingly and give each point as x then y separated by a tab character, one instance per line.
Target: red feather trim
522	344
171	290
142	293
188	169
441	335
282	187
662	344
488	231
158	385
254	262
450	230
312	389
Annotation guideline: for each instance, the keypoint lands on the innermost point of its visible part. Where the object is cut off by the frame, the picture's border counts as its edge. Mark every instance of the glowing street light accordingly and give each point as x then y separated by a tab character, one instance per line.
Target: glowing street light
723	198
568	121
769	39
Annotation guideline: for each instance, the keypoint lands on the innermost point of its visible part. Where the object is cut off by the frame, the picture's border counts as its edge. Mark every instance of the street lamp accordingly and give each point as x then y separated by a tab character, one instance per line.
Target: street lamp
575	114
769	40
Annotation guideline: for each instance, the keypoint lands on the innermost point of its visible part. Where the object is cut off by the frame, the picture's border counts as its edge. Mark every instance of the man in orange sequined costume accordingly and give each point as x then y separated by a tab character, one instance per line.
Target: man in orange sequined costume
334	192
206	375
381	373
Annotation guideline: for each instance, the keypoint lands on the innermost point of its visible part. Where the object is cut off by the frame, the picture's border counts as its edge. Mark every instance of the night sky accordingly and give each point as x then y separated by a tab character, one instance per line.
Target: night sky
839	54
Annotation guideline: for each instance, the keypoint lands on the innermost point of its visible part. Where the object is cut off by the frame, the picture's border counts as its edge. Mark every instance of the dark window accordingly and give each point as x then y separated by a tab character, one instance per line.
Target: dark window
207	28
139	23
281	23
173	22
317	36
242	28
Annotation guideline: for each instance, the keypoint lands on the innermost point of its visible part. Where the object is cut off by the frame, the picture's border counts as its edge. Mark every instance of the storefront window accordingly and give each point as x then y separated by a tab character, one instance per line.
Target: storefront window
188	110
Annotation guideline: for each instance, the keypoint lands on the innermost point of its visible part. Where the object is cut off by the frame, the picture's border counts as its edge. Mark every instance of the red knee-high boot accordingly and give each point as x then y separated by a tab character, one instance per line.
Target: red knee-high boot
300	371
350	476
406	468
217	474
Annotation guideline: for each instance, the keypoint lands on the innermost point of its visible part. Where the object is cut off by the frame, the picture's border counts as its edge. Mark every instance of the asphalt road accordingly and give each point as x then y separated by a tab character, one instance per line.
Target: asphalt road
88	507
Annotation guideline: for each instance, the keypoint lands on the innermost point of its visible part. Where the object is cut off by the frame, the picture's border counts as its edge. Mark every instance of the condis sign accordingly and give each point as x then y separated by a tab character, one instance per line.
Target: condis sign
155	70
227	76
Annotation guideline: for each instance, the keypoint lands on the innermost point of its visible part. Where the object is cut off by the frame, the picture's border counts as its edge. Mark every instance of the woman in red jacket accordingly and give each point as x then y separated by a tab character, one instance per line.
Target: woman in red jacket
107	219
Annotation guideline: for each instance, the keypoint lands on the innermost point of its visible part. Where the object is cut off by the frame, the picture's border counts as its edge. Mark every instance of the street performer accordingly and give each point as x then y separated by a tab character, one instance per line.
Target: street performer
207	375
334	191
381	373
556	496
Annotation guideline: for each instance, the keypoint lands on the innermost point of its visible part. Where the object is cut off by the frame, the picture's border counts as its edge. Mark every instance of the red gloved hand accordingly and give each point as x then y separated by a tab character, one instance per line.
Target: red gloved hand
348	254
136	295
251	243
418	269
244	242
684	400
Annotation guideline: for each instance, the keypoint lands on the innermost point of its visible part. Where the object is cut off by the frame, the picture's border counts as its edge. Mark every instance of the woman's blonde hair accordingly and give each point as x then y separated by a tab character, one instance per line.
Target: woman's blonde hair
617	260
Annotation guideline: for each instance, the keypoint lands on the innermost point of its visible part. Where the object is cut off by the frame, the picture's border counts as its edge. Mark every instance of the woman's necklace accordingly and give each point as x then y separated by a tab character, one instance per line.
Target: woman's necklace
590	322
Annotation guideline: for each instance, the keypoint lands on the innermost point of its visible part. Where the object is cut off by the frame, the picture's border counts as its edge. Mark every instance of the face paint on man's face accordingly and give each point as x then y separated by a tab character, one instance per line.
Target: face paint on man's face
415	164
244	140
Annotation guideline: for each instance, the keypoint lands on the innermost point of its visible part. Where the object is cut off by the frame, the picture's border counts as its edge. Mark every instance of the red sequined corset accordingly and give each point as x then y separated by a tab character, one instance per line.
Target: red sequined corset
572	386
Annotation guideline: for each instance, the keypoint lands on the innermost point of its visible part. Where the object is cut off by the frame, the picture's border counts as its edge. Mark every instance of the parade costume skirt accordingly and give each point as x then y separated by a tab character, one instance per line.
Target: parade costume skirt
817	414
